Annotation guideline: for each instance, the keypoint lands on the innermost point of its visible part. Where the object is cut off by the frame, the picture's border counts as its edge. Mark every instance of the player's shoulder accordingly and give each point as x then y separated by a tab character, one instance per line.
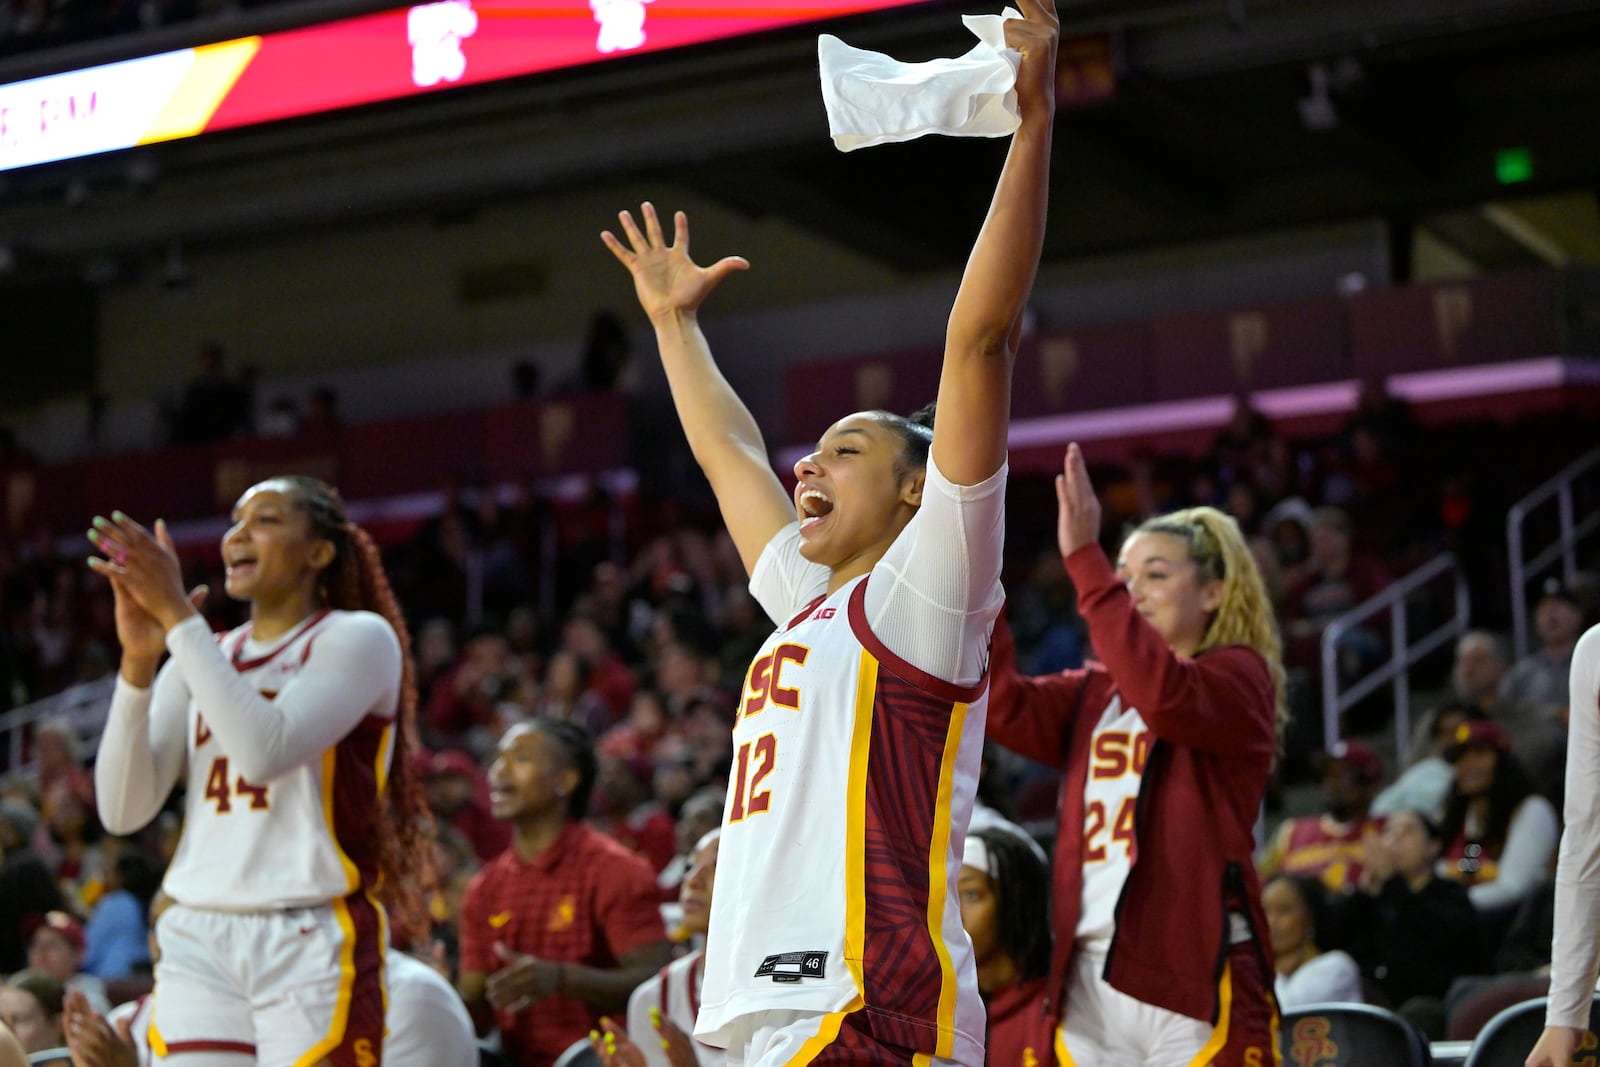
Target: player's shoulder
1587	650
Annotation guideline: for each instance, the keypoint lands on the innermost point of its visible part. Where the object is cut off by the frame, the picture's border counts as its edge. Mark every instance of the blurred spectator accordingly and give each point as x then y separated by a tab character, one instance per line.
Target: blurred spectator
662	1009
74	828
281	419
1533	692
322	411
1337	580
1298	914
698	816
1520	972
1482	660
458	796
608	674
1331	846
565	694
56	946
1411	931
1425	784
30	1004
1288	527
26	885
1004	888
214	406
461	704
1500	836
118	939
607	353
58	756
625	810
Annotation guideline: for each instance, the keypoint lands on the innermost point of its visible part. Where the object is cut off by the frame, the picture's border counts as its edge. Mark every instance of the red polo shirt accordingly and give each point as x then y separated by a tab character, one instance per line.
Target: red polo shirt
585	900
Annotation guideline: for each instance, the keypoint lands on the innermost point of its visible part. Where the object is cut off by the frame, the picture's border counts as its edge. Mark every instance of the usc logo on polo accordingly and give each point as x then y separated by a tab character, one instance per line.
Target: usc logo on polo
563	914
764	683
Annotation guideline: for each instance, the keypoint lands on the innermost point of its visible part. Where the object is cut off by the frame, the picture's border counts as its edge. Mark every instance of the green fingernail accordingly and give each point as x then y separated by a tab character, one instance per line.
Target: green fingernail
119	516
98	521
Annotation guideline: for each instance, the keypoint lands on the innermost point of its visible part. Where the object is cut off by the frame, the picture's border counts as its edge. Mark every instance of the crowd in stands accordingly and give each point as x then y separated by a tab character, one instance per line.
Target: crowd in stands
1425	887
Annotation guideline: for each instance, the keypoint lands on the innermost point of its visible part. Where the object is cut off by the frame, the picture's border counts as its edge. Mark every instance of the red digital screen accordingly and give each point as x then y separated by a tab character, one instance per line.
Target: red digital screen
385	56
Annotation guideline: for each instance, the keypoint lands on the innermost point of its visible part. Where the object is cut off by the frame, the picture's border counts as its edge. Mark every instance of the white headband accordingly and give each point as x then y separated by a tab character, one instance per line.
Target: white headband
975	854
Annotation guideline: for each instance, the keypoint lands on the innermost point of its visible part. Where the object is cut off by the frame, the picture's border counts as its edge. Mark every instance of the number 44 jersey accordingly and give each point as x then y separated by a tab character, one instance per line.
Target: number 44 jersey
303	838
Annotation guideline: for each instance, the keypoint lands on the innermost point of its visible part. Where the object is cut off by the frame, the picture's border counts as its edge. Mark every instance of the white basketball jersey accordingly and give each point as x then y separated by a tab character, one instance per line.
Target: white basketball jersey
304	838
1117	756
852	785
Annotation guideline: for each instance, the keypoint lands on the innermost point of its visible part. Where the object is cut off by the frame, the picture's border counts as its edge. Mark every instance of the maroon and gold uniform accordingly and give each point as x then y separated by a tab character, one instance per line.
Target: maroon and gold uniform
585	899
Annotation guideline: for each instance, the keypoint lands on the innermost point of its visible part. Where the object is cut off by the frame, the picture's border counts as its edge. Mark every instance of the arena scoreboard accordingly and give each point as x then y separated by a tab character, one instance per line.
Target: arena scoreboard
388	55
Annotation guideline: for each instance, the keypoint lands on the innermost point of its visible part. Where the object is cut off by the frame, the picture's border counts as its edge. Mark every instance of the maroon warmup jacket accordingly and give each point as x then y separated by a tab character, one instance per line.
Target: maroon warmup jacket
1213	718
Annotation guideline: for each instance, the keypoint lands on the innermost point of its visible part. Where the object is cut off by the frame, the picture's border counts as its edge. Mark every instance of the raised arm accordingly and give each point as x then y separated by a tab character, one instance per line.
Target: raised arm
722	434
969	437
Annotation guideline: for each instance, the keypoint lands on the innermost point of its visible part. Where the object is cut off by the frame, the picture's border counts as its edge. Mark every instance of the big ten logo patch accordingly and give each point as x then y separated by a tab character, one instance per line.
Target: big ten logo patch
1118	752
765	684
1311	1045
563	915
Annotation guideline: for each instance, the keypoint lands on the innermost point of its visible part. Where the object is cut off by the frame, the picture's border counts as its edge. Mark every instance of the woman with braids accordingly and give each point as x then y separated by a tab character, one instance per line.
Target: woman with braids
294	734
1004	884
1161	955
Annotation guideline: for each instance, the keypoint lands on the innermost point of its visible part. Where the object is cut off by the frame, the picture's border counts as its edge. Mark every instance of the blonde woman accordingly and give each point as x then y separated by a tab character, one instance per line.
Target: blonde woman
1166	743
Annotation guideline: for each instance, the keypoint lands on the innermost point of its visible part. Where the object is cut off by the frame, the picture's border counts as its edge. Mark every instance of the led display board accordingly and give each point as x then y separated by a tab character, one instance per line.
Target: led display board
389	55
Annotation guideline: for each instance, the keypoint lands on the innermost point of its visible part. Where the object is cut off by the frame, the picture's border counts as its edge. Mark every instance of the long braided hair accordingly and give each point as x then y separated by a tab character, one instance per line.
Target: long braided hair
402	827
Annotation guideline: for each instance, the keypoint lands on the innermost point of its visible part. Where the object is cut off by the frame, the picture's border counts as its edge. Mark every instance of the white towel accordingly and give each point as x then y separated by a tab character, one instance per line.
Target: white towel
873	99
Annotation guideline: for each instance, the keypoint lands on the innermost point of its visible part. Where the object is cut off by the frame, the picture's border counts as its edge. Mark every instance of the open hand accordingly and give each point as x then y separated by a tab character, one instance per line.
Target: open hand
666	280
1035	35
1077	508
92	1040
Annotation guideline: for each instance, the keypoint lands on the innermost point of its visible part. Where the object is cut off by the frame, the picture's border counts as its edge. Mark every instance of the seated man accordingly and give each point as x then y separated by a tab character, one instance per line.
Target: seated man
1330	846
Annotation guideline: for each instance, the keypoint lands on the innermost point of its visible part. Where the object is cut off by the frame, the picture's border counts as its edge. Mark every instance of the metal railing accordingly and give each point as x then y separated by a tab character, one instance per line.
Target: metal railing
84	705
1564	547
1403	650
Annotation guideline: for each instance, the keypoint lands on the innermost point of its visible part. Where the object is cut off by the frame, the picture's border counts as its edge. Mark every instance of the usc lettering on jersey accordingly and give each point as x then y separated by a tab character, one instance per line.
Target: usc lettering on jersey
847	811
300	839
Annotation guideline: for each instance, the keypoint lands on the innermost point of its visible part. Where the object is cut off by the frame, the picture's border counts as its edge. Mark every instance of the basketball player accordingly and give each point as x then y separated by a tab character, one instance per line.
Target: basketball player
294	736
428	1025
1574	955
1161	957
836	936
662	1011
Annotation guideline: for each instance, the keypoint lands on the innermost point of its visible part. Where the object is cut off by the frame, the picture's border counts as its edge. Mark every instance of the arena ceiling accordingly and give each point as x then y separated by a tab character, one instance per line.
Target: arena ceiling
1225	116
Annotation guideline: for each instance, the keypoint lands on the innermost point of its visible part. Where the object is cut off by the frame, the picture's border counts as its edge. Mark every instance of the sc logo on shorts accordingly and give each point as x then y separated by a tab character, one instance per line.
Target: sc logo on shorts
364	1054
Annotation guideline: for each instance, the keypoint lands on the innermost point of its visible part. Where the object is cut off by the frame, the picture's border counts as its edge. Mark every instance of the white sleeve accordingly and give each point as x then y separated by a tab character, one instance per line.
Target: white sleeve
142	751
428	1024
934	595
353	671
1525	861
1574	950
783	581
640	1030
1332	977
